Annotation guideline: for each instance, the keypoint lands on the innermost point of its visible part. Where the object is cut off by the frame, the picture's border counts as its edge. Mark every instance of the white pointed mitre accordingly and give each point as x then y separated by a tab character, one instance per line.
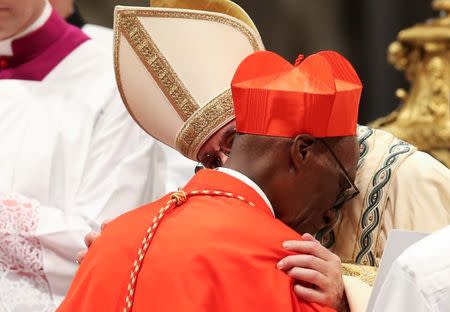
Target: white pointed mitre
174	67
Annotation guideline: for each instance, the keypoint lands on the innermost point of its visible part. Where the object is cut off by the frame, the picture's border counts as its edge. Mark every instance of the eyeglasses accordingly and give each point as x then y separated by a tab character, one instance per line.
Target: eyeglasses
213	160
352	190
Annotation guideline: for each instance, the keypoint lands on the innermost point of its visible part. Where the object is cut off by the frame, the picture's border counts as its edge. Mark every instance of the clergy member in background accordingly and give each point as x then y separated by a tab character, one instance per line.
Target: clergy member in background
419	280
281	160
70	154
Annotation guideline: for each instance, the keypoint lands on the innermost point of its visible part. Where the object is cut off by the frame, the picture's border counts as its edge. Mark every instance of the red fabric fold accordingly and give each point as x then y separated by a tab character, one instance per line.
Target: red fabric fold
319	95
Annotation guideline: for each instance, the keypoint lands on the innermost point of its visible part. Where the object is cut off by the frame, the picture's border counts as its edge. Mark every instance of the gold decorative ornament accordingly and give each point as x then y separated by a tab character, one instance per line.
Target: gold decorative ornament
423	117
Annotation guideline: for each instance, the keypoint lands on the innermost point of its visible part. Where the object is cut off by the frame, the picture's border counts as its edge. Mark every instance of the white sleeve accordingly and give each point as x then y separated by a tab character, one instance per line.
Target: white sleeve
400	293
124	169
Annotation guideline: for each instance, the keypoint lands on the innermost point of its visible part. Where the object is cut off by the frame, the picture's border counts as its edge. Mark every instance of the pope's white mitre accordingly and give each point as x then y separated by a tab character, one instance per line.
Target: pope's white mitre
174	66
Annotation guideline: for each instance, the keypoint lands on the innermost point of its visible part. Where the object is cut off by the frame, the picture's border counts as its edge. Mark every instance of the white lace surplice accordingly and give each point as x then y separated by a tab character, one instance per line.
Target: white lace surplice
23	285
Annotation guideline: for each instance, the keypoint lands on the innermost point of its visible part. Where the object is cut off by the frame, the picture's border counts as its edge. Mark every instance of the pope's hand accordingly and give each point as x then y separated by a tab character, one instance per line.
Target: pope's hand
88	240
317	272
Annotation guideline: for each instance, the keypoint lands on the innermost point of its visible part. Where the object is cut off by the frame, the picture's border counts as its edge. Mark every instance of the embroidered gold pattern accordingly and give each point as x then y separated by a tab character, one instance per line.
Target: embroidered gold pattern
117	70
157	65
251	36
203	122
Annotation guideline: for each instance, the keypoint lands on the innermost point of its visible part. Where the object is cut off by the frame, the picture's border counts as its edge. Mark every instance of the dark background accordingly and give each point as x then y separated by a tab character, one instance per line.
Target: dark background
359	29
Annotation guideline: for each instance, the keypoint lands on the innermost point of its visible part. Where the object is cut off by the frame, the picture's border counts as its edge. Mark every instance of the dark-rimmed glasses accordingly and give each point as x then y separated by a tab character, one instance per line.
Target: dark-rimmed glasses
352	190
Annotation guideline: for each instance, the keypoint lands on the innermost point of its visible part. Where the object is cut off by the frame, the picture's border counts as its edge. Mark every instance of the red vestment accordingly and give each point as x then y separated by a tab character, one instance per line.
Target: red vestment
212	253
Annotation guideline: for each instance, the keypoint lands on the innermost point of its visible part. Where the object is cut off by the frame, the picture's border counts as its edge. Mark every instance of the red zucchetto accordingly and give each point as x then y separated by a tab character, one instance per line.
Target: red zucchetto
319	95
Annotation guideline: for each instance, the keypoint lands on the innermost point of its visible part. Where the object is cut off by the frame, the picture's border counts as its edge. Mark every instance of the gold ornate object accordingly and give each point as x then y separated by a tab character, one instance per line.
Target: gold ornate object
423	53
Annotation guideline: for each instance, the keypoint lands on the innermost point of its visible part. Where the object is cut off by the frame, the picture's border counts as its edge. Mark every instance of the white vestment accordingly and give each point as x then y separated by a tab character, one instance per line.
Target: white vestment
419	280
103	35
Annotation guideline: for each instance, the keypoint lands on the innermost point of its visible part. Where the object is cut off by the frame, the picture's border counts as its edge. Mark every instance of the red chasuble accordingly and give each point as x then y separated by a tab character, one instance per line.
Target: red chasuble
211	253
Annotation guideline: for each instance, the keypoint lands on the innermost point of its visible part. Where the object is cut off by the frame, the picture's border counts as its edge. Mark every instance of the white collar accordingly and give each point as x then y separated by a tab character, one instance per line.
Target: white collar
6	45
249	182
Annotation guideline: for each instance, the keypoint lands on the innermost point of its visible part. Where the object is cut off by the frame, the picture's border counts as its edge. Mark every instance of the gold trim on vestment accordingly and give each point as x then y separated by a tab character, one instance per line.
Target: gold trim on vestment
204	123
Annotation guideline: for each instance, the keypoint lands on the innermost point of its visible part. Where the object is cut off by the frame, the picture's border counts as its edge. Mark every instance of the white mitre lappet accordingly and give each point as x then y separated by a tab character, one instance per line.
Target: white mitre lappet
174	67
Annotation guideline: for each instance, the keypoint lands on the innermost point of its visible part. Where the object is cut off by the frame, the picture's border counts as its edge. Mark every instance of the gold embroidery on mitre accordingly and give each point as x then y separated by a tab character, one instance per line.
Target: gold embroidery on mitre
116	66
203	123
157	65
220	110
229	21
